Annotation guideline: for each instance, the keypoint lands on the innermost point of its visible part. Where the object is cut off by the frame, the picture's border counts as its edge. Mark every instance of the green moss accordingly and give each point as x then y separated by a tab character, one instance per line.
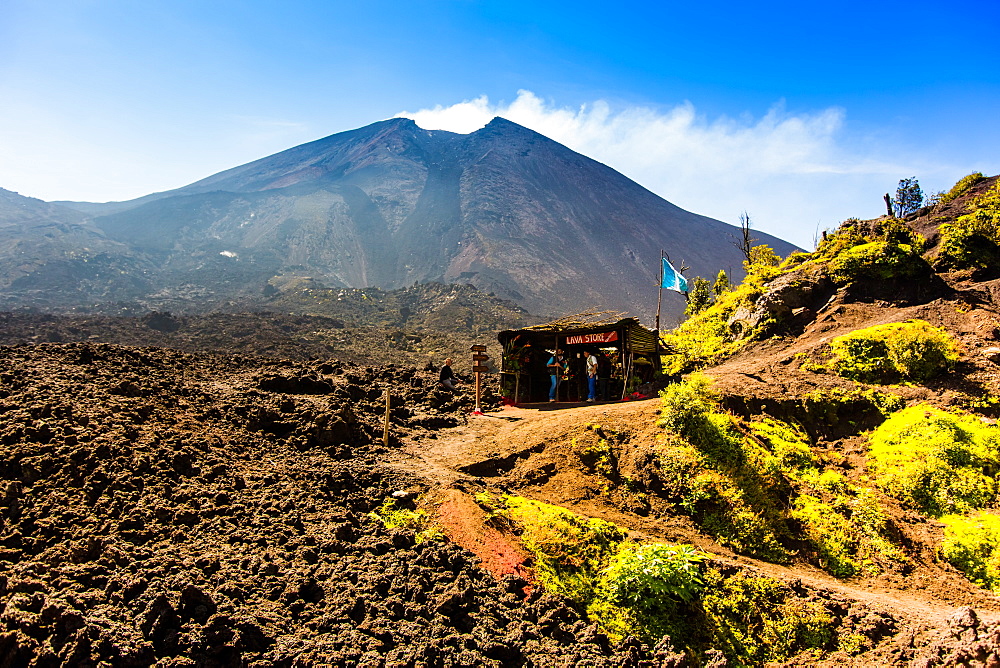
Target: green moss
935	461
972	545
569	551
418	521
755	619
913	350
878	261
789	444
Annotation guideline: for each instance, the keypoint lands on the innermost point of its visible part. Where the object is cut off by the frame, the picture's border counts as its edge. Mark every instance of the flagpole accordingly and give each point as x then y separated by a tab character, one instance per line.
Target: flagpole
659	299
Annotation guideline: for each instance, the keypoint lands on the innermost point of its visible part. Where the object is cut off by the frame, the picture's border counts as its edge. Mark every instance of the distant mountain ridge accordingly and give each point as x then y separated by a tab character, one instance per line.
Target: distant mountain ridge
389	205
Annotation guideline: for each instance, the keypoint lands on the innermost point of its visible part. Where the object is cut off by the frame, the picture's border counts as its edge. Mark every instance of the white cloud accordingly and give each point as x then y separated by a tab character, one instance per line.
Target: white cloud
794	173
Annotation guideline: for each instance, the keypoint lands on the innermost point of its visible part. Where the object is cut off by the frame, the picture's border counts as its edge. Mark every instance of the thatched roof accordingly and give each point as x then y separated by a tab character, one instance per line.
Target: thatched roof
639	339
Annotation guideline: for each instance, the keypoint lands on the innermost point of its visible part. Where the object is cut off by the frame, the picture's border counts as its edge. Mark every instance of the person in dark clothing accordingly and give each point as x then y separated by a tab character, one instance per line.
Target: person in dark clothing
578	372
603	376
447	377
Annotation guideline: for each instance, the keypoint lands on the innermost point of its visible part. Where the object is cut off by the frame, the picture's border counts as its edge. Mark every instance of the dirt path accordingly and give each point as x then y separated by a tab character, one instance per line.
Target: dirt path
483	453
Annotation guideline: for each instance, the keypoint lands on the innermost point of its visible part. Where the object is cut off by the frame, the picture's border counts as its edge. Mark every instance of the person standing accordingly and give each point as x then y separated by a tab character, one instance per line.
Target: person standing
554	366
592	365
603	376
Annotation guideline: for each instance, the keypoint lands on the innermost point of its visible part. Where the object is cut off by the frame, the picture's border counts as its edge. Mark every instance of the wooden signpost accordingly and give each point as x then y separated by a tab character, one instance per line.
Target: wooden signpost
479	356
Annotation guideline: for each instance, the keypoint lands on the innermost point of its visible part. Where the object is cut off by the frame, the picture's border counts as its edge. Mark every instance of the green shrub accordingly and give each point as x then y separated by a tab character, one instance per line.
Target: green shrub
961	187
708	336
935	461
964	248
754	619
639	574
973	240
686	404
415	520
834	536
912	350
788	444
570	551
699	297
729	485
972	545
878	261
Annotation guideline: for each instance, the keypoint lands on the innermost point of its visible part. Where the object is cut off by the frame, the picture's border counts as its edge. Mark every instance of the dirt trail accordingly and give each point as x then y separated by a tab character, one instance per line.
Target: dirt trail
483	453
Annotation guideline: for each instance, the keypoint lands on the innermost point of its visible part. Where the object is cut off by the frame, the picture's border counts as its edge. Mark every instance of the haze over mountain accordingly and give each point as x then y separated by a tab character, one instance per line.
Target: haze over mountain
387	205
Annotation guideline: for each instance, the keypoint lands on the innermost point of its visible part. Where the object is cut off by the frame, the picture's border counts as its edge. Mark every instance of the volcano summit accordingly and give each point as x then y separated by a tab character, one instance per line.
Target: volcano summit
387	205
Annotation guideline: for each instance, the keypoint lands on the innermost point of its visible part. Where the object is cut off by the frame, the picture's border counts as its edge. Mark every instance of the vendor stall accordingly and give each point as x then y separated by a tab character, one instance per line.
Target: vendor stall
626	350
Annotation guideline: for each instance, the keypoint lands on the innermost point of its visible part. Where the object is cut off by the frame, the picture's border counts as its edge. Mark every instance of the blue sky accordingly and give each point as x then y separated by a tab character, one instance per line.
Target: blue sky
802	114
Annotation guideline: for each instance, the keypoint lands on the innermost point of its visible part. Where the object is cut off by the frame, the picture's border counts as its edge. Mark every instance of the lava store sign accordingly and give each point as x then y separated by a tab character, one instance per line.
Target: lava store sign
598	339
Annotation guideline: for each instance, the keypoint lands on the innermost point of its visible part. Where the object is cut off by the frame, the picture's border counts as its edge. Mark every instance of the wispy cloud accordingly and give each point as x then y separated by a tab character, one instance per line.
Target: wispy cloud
793	172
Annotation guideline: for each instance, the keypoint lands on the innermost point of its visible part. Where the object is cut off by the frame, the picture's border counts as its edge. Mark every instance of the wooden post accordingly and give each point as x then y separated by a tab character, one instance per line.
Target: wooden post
659	298
479	377
385	425
479	357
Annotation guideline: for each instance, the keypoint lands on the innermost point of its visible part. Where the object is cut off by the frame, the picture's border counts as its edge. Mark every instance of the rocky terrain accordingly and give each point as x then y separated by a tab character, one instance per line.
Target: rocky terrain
201	510
163	507
417	326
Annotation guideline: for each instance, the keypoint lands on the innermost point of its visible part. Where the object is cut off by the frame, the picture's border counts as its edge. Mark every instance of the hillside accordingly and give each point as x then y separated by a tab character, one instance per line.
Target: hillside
386	206
821	492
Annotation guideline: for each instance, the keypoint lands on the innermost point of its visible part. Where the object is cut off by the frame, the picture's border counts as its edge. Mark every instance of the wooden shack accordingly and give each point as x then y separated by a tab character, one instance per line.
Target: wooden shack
629	349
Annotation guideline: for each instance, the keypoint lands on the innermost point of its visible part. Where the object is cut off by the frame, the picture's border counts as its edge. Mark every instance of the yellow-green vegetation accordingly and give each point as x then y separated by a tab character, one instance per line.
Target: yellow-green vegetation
832	408
873	252
760	621
935	461
729	484
973	240
393	517
878	261
651	590
884	250
848	532
972	545
742	482
570	551
707	335
912	351
595	449
961	187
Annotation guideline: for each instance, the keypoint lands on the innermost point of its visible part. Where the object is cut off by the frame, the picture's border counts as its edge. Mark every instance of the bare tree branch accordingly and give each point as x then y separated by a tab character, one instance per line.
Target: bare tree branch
745	241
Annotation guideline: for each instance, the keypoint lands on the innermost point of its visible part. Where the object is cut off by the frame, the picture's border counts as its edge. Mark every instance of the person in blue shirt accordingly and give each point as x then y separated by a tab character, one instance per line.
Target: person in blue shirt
555	367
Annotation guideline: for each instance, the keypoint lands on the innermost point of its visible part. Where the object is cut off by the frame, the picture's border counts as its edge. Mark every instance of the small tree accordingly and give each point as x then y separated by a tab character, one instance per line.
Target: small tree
721	284
699	296
909	197
745	241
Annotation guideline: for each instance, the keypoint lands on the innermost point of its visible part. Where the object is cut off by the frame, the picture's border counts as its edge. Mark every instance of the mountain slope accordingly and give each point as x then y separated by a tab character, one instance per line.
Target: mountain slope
389	205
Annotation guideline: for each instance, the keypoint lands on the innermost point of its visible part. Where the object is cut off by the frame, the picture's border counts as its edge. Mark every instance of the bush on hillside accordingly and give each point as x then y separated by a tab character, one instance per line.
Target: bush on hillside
973	240
935	461
878	261
961	187
913	351
638	575
972	545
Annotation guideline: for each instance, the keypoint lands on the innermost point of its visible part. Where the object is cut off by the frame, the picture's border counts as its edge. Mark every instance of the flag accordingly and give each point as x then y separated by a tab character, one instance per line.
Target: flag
672	279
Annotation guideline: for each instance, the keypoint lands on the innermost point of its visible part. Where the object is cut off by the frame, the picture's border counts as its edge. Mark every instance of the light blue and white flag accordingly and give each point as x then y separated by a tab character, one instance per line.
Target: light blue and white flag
672	279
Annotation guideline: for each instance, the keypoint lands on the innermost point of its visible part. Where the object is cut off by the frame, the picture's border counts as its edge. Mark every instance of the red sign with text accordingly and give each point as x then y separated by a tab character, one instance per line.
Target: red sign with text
604	337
